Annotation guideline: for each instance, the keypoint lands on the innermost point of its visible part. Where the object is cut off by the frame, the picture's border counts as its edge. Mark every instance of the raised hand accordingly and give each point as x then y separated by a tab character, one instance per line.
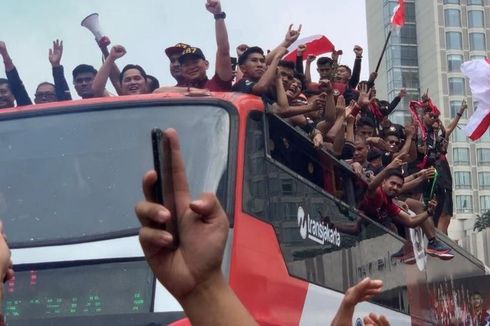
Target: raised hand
358	51
336	54
117	51
364	95
3	48
362	291
292	35
202	228
374	320
301	49
214	7
396	163
402	93
340	106
6	266
325	86
350	109
310	58
240	49
463	107
318	102
56	53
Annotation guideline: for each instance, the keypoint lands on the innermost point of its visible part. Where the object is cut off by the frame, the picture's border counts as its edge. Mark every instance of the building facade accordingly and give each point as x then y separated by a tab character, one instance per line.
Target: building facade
426	54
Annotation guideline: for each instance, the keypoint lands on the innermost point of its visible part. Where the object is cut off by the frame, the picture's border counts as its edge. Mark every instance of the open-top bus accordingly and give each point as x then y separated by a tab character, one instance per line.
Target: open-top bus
70	174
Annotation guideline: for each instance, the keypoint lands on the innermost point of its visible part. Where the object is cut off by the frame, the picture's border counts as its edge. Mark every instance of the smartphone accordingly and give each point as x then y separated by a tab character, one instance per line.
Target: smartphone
162	161
355	110
234	62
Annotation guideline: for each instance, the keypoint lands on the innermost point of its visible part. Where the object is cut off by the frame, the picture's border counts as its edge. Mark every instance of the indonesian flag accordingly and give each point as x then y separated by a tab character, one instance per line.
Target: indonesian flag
478	72
315	44
398	18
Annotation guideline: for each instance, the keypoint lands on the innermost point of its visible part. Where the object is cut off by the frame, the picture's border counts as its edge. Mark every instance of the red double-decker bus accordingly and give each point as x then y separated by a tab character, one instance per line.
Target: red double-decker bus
70	175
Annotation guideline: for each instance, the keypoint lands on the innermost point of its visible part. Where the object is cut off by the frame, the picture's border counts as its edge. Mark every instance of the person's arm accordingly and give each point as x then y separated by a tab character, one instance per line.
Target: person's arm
282	98
414	221
262	86
378	179
336	134
6	267
60	85
291	36
309	61
408	144
377	142
102	76
356	70
415	179
114	78
372	79
362	291
299	59
329	112
16	85
103	44
295	110
191	269
223	60
364	97
349	129
316	138
454	122
239	51
396	100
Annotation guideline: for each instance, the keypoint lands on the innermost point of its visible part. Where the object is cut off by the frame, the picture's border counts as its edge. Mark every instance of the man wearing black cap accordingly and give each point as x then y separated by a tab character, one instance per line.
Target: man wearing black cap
173	53
257	77
194	63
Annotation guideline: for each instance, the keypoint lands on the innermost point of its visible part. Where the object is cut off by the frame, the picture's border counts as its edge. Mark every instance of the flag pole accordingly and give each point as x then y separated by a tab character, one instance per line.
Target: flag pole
383	52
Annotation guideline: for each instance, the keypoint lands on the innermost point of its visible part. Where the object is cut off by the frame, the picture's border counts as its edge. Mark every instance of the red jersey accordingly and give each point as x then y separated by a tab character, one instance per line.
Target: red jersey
379	207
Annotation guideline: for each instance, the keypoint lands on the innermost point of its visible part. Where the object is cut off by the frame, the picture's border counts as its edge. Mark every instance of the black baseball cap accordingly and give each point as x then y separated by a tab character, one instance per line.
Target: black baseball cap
191	52
176	49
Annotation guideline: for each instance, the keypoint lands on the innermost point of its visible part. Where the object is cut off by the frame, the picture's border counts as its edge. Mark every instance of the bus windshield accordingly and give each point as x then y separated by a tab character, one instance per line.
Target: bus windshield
77	174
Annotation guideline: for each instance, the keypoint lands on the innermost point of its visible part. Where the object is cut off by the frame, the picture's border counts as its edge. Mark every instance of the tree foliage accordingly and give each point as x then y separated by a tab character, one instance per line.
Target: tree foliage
482	222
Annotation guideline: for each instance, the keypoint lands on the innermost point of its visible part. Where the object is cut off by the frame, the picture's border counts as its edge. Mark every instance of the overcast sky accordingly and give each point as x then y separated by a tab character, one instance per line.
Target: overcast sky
147	27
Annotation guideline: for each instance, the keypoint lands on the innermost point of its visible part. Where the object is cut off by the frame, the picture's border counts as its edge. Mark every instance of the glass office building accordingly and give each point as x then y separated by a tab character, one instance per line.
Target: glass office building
438	36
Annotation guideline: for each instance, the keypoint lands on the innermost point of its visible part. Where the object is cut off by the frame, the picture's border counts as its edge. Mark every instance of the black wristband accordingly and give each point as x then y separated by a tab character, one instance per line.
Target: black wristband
221	15
459	114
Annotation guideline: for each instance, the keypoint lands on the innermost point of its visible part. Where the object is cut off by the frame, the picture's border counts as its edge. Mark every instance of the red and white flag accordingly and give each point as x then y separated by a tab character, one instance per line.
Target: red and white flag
398	18
478	72
315	44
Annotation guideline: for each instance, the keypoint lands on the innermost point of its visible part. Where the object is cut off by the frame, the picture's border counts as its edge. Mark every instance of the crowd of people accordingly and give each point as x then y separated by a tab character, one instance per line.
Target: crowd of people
406	180
456	305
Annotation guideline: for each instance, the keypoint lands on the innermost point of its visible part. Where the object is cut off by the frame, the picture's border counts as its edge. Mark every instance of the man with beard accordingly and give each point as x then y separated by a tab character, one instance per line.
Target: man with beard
194	64
173	53
378	205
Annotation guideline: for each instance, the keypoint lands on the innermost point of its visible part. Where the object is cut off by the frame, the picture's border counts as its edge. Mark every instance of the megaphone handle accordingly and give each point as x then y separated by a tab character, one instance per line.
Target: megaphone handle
104	49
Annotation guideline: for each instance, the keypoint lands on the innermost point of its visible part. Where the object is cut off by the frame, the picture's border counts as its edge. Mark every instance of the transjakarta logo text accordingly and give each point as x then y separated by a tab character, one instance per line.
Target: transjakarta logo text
315	230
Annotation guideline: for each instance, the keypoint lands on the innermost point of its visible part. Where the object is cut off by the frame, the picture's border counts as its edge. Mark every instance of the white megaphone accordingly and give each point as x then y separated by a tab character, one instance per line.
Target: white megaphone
91	22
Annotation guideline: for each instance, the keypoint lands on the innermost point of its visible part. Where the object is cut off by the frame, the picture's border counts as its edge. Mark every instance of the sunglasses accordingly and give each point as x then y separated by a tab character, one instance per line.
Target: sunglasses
394	142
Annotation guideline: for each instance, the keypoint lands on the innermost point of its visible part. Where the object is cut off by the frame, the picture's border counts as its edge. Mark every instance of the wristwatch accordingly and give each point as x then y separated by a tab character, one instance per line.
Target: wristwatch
221	15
